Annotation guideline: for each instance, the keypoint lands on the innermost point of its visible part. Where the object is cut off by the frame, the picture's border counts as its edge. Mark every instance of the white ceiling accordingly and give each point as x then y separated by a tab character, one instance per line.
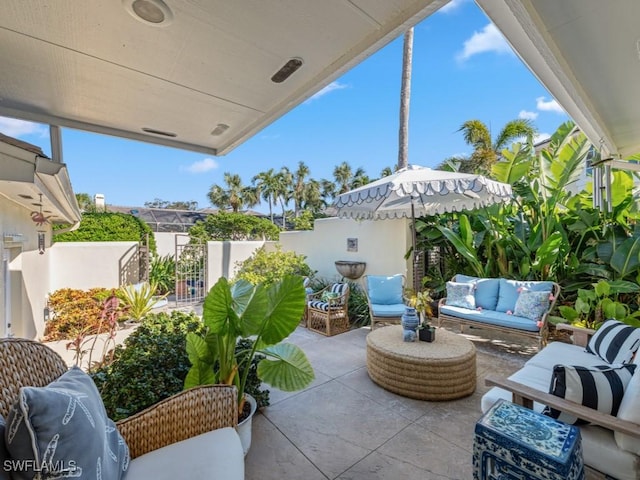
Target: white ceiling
587	54
89	64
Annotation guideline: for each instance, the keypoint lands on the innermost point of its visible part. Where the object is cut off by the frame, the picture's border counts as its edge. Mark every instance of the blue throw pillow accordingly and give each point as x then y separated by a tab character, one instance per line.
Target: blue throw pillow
461	295
486	292
385	290
532	305
63	428
509	292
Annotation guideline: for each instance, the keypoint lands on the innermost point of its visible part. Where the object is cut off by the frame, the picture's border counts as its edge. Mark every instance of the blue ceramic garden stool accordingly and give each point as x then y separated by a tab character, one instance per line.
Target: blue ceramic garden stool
513	442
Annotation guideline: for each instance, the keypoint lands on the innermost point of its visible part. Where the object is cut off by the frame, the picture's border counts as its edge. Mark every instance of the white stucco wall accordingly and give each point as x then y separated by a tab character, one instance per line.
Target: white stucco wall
85	265
224	257
382	244
28	272
166	242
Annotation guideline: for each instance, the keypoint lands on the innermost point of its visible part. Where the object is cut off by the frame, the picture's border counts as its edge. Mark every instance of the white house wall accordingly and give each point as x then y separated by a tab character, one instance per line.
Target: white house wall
223	258
28	272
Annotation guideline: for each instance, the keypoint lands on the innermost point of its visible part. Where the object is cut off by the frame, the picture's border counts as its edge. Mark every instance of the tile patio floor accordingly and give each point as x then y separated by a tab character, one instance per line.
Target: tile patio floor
346	427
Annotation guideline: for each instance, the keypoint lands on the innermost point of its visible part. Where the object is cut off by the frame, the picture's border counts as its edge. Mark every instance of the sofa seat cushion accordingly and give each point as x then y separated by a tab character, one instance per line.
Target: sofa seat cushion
491	317
601	452
486	291
509	292
393	310
557	353
215	454
630	410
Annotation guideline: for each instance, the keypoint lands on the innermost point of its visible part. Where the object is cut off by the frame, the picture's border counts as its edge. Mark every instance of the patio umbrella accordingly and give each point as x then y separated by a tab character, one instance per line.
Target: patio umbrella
419	191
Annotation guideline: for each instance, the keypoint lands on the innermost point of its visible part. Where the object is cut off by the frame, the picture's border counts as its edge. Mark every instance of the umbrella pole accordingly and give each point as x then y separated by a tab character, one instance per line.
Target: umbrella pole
416	287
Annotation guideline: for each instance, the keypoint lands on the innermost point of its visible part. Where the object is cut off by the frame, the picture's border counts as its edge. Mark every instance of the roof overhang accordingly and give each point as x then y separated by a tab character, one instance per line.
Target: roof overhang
38	184
587	54
201	80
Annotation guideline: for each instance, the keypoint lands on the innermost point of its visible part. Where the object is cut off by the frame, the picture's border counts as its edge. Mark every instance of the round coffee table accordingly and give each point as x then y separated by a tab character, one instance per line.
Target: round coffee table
441	370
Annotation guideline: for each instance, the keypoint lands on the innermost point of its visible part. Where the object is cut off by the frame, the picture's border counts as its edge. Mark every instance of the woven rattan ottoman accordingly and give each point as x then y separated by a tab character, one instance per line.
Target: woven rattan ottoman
441	370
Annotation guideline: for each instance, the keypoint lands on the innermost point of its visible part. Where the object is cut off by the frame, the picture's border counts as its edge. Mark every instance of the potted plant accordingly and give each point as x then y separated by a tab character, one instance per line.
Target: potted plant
267	315
422	302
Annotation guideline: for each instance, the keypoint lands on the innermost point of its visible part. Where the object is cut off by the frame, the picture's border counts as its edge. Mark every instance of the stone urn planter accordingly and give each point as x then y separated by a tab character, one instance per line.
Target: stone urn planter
350	269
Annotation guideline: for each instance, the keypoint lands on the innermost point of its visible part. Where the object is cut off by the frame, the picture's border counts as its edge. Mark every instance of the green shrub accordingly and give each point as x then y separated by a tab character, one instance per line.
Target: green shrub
269	267
234	226
74	312
109	227
163	273
150	366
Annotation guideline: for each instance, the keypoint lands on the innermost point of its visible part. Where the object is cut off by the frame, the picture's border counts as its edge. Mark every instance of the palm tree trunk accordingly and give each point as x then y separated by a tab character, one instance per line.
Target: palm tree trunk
405	96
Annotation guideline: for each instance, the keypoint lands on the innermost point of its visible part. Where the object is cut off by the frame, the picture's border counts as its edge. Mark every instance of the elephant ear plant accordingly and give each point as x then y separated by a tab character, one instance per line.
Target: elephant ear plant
267	315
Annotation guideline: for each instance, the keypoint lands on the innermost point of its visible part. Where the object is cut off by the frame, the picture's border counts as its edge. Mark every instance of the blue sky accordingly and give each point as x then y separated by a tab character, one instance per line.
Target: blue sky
462	69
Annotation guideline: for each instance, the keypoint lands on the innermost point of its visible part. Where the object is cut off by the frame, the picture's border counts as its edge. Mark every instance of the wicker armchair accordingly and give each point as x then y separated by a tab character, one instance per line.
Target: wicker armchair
182	416
327	310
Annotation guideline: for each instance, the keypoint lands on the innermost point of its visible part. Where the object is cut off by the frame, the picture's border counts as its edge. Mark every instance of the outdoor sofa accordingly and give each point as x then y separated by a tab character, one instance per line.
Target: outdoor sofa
512	306
589	386
55	419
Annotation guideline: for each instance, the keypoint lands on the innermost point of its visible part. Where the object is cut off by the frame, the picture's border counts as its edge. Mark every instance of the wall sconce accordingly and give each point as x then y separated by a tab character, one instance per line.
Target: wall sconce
41	239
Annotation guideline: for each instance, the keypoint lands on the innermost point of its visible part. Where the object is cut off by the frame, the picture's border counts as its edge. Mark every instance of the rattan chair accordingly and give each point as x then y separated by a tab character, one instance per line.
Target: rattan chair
182	416
385	298
329	316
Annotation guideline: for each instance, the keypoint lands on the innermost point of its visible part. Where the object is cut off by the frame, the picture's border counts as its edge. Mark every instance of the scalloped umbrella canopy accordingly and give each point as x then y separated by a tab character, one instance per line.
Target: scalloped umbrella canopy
430	191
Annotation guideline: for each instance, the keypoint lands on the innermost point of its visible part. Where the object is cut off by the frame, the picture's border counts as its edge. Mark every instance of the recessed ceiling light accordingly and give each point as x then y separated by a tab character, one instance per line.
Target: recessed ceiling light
220	129
159	132
287	70
151	12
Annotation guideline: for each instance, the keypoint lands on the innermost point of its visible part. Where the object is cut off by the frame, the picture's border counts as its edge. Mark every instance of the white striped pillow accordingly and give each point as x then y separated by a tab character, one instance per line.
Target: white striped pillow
615	342
600	388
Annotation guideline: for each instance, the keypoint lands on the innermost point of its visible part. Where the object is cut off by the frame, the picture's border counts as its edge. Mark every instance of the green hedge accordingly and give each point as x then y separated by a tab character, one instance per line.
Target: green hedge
109	227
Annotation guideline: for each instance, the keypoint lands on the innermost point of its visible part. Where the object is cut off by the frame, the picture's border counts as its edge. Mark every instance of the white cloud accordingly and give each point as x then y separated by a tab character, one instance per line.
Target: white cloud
201	166
548	105
527	115
16	128
451	6
540	137
488	40
328	89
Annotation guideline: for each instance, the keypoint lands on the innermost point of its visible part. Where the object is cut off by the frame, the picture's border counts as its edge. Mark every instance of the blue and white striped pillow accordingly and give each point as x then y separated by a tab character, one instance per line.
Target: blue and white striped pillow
615	342
600	388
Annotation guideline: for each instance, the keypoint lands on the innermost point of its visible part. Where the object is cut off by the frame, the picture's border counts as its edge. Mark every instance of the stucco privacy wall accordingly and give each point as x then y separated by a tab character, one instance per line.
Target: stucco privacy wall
223	258
382	244
85	265
27	281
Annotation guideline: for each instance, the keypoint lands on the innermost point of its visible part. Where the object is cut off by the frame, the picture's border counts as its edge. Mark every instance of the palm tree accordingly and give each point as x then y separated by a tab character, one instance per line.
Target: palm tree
299	190
359	178
313	198
284	186
327	191
234	196
343	175
405	96
385	172
486	151
267	183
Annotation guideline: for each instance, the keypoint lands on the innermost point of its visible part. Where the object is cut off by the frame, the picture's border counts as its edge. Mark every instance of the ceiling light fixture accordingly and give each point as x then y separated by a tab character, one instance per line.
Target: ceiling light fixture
151	12
287	70
159	132
220	129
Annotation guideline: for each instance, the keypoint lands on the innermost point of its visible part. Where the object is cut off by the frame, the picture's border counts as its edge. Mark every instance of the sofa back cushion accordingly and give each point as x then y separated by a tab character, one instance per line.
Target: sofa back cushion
615	342
630	410
385	290
486	291
461	295
509	292
601	388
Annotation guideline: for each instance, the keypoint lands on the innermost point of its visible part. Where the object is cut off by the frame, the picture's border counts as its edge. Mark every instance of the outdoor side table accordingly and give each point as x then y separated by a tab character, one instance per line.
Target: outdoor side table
513	442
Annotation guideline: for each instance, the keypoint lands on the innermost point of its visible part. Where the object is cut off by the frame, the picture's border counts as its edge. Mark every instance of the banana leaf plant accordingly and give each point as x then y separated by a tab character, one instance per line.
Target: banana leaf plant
267	315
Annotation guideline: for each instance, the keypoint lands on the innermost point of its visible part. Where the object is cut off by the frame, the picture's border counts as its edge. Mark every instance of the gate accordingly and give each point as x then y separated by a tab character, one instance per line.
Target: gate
191	272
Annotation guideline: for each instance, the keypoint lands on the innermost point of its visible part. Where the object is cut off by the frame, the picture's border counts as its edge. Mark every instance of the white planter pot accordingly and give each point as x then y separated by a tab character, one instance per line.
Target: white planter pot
244	427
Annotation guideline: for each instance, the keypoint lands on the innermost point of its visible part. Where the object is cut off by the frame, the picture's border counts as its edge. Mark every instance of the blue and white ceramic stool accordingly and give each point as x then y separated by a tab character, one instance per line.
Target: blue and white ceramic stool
513	442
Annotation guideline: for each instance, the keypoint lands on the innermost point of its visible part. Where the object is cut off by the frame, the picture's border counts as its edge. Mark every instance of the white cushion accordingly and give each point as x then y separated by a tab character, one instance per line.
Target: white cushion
559	353
601	452
531	376
215	454
630	410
